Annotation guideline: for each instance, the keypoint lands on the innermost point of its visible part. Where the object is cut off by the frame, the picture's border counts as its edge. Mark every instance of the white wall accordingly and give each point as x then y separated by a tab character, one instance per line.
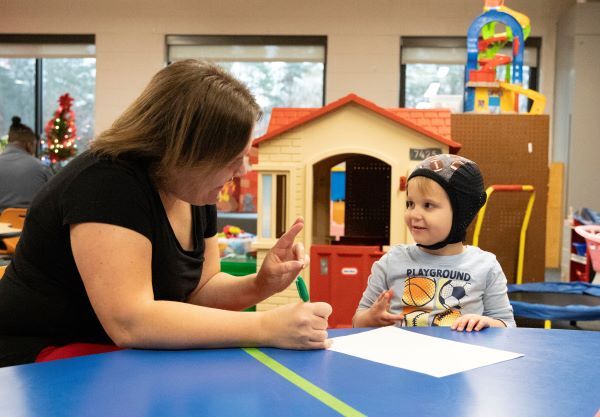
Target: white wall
363	35
564	85
577	121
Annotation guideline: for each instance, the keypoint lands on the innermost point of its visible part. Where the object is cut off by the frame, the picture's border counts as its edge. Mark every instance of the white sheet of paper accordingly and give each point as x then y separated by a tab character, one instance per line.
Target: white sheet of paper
417	352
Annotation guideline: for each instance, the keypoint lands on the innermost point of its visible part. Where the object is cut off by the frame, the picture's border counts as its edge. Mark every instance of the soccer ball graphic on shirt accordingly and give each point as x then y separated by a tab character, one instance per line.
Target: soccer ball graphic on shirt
452	292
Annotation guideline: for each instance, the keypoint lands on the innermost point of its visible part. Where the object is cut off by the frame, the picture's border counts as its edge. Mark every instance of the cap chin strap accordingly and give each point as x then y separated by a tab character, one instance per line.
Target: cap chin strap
450	239
435	246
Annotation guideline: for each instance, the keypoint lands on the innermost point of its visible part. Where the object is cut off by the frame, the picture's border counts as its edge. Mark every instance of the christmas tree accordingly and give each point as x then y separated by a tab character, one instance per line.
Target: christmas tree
61	133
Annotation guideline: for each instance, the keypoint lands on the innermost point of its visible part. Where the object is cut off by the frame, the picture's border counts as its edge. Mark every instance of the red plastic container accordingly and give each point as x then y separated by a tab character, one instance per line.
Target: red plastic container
338	276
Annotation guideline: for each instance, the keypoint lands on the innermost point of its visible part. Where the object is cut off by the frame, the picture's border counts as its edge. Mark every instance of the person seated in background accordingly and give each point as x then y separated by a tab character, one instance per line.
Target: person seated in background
21	174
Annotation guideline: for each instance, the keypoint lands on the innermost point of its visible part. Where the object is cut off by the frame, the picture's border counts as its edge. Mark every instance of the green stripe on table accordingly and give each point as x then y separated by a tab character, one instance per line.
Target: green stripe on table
305	385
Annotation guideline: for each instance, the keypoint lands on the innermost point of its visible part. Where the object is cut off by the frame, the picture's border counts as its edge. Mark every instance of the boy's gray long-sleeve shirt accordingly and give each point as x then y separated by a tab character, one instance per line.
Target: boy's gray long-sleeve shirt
435	290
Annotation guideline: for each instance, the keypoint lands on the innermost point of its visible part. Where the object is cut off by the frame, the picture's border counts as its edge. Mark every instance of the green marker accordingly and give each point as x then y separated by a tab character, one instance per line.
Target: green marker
302	291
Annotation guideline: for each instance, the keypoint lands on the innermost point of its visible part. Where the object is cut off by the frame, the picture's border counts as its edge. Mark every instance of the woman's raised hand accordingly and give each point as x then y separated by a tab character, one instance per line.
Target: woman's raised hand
283	262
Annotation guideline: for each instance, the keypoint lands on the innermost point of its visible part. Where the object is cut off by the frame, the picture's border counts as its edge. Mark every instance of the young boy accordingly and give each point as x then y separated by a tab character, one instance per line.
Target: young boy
439	281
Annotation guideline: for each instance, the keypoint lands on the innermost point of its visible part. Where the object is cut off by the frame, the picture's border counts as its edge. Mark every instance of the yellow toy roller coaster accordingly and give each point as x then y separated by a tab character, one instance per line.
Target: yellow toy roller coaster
485	93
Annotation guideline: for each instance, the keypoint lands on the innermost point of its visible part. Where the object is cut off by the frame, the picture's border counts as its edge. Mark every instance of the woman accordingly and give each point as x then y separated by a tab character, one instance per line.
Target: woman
120	247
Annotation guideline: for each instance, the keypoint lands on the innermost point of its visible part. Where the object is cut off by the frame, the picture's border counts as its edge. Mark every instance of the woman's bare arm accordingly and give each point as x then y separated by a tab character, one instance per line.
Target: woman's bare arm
115	265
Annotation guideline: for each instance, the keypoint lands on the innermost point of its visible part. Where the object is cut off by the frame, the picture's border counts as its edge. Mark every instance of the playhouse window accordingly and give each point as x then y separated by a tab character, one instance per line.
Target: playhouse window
432	71
274	205
267	195
280	206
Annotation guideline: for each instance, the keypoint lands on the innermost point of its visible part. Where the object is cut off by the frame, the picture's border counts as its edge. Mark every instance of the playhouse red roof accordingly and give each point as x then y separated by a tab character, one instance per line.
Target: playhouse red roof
434	123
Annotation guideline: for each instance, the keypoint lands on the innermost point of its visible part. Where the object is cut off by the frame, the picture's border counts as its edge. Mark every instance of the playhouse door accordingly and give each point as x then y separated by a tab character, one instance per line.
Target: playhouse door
367	211
338	276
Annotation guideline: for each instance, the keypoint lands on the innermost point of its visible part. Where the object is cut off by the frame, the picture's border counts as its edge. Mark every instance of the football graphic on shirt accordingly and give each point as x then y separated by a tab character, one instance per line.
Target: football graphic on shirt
418	291
452	292
445	318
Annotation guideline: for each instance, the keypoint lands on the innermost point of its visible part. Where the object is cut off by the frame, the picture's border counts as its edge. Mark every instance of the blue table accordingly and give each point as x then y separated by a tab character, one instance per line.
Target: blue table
559	376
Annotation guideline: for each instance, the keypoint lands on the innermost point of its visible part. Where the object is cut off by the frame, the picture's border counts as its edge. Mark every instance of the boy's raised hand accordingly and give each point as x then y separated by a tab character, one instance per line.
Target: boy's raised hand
379	315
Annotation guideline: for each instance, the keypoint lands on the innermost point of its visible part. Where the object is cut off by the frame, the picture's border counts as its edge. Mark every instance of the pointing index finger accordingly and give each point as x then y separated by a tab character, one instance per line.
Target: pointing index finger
287	239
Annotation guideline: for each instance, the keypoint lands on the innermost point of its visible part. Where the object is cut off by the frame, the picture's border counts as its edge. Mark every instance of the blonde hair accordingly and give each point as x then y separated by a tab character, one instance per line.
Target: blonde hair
423	184
192	113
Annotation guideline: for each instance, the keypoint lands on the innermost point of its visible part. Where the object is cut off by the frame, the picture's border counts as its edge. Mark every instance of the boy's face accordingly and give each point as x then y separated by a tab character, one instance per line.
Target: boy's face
428	211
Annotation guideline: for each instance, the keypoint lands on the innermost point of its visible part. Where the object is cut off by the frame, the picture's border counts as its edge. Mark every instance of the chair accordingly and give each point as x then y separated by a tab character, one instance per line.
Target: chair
11	244
16	218
2	269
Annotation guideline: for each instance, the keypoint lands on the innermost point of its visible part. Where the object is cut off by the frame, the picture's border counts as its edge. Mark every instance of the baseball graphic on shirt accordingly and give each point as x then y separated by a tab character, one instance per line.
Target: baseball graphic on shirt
414	317
418	291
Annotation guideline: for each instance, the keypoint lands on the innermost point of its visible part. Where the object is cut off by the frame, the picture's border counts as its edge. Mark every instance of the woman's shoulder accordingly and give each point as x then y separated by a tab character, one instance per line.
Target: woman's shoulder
91	170
96	181
90	162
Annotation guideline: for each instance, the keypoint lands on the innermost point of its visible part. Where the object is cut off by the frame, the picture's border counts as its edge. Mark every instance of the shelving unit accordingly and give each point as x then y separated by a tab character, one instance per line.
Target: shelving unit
580	267
246	221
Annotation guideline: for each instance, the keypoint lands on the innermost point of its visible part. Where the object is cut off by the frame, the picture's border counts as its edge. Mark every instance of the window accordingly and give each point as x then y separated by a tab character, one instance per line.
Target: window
17	93
432	71
77	76
280	206
274	205
267	188
35	70
281	71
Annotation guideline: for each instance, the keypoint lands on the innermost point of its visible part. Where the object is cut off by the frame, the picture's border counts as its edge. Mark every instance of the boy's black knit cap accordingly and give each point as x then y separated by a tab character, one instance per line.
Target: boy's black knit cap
463	182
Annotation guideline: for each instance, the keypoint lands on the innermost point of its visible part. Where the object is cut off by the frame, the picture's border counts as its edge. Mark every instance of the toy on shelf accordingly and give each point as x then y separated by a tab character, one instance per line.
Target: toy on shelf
234	241
232	231
484	91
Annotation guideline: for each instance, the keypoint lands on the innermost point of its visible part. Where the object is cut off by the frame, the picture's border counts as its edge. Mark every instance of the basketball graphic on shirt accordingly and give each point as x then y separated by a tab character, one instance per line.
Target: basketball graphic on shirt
445	318
452	292
414	317
418	291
